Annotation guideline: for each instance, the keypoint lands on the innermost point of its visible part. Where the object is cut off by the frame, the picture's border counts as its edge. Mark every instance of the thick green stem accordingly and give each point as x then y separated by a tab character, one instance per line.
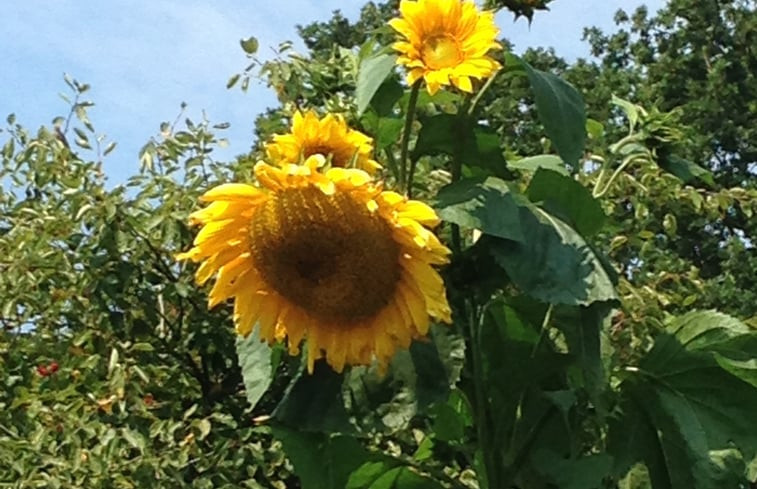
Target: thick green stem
409	118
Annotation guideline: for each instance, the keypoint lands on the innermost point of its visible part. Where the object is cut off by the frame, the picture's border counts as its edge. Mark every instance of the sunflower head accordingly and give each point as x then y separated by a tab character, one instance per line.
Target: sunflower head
324	257
445	42
329	136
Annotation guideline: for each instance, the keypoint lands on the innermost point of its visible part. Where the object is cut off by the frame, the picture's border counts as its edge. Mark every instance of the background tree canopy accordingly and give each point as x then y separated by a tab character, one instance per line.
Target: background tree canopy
116	374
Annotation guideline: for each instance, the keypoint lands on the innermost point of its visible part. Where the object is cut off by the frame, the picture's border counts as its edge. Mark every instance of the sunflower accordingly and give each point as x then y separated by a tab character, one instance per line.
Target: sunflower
445	42
329	136
325	256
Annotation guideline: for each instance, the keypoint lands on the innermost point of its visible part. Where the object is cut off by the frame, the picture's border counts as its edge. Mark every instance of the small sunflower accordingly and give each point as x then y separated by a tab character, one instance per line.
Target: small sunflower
446	42
329	136
323	256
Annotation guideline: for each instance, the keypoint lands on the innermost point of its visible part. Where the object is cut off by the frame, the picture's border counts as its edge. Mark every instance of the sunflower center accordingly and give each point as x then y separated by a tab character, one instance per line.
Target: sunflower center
326	253
441	52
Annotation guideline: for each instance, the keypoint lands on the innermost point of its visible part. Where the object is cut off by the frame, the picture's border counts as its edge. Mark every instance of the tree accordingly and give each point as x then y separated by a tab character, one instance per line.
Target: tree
115	374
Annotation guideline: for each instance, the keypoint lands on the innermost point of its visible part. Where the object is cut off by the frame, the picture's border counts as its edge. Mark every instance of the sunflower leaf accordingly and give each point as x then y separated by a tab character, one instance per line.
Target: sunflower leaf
476	145
552	262
313	402
371	74
487	204
319	459
534	163
387	475
565	197
693	426
255	361
560	107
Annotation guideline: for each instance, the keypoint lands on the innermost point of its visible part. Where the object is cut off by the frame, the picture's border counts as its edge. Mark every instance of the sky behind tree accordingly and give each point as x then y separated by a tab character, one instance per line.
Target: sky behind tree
144	58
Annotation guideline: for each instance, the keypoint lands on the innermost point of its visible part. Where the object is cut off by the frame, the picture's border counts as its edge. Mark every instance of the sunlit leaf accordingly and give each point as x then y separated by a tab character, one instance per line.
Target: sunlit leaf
255	361
371	74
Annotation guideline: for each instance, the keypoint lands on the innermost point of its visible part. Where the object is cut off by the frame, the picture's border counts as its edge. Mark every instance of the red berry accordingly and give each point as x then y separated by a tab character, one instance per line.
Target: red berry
42	371
53	367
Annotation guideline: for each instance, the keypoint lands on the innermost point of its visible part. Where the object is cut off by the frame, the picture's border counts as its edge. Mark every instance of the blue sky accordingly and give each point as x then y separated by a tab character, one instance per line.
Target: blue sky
144	57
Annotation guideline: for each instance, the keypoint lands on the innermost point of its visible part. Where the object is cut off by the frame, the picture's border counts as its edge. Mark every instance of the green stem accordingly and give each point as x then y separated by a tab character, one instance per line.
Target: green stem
481	93
599	193
409	117
392	161
410	176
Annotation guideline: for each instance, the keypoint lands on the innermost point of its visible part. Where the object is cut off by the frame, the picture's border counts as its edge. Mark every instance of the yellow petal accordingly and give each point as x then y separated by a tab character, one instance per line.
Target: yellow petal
232	191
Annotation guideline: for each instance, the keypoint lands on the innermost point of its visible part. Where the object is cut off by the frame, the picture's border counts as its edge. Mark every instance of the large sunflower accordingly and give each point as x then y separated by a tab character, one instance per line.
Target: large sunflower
323	256
446	42
329	136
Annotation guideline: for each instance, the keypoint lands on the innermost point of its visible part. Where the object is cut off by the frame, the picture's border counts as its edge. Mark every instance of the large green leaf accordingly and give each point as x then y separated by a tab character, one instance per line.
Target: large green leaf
417	380
388	475
583	328
683	414
561	109
255	361
582	473
322	461
708	330
371	74
313	402
517	369
541	254
552	262
566	198
387	96
487	204
534	163
386	130
474	144
732	344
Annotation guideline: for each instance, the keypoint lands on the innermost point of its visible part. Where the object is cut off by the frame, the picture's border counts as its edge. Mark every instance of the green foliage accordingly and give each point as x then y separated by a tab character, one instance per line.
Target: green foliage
687	416
560	108
371	74
255	362
576	357
115	374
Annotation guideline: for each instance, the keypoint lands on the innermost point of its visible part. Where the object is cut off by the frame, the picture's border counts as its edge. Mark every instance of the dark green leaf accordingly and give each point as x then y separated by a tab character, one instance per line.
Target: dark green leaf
552	262
568	199
440	134
487	204
583	473
582	328
449	425
313	402
371	74
321	460
683	413
387	95
686	170
561	110
255	362
432	384
368	474
388	131
474	144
